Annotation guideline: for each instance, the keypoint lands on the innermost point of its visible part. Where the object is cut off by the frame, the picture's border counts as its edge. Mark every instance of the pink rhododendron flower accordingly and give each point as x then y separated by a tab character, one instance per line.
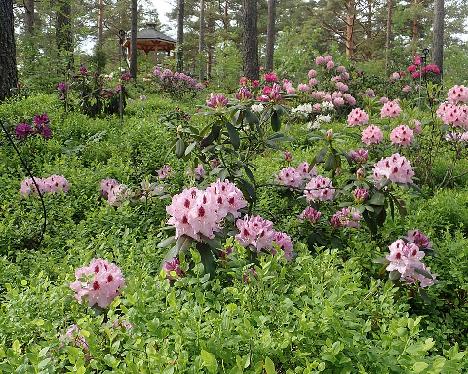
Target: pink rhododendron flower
417	127
346	217
395	76
29	188
311	215
342	87
417	60
272	94
23	130
360	174
199	172
384	100
302	87
117	194
256	232
312	74
56	183
172	269
73	336
319	189
370	92
372	135
164	172
243	81
341	69
418	238
316	107
270	77
99	283
360	195
401	135
295	177
287	156
216	101
395	168
288	87
283	241
359	156
406	89
106	186
390	109
350	99
357	117
243	94
320	60
338	101
453	115
431	68
458	94
330	65
313	82
405	258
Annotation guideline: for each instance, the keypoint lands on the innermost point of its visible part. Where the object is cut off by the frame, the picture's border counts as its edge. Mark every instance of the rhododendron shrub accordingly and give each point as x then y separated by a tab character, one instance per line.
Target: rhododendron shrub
98	284
40	126
176	83
50	185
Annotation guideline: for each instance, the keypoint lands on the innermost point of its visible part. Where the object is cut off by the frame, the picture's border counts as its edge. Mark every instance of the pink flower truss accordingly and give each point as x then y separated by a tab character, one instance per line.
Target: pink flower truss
360	195
346	217
359	156
350	99
216	101
458	94
164	172
172	269
73	336
283	241
270	77
311	215
372	135
319	189
288	87
357	117
99	283
406	259
256	232
243	94
342	87
295	177
28	187
302	87
453	115
195	212
401	135
107	185
199	172
330	65
390	109
312	74
395	168
56	183
418	238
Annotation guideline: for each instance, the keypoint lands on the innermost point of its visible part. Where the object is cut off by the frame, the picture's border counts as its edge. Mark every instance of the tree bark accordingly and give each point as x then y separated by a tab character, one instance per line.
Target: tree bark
100	24
180	35
350	20
271	33
414	31
201	42
133	45
438	36
63	31
250	41
388	36
8	71
29	17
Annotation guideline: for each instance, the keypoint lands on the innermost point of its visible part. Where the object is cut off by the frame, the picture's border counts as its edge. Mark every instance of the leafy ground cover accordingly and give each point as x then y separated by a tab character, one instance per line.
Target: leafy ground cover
318	298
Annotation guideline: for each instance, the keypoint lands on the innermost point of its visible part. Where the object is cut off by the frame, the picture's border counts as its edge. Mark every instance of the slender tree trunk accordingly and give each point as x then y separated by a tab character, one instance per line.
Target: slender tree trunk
180	35
350	20
134	50
211	24
201	41
414	31
250	41
388	36
8	71
63	31
226	16
438	37
271	32
29	17
100	24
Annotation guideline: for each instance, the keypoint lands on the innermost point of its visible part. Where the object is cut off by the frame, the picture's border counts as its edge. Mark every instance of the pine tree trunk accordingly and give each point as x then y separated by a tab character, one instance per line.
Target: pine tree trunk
438	37
388	36
350	20
201	42
211	25
270	46
180	35
226	16
29	17
8	71
63	31
133	45
414	31
250	41
100	24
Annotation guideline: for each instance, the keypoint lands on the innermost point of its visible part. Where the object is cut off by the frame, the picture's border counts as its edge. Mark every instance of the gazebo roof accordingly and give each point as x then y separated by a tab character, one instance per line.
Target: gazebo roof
150	39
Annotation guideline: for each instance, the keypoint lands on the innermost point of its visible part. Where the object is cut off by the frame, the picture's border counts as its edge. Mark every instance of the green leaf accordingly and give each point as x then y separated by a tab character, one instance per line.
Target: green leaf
190	148
419	366
320	156
378	198
248	189
394	275
180	148
233	135
209	361
423	272
167	242
275	121
249	173
269	366
207	258
250	117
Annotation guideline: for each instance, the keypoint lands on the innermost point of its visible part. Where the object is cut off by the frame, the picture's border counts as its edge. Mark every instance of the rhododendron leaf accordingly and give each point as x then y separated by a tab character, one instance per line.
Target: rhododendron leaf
248	189
275	121
212	136
320	156
249	173
233	135
207	258
378	198
180	148
238	117
190	148
380	260
394	275
209	361
167	242
250	117
392	208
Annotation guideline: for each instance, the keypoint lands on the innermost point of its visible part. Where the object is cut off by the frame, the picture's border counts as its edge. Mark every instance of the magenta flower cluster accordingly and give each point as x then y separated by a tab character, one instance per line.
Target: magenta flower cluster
99	283
52	184
311	215
257	232
40	126
176	81
198	214
217	101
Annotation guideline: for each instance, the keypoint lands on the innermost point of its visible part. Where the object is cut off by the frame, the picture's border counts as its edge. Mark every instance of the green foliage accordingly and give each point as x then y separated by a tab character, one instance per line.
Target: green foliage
228	68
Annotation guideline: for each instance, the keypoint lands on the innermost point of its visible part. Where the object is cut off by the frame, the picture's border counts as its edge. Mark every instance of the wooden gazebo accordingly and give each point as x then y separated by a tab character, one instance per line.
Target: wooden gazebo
150	39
